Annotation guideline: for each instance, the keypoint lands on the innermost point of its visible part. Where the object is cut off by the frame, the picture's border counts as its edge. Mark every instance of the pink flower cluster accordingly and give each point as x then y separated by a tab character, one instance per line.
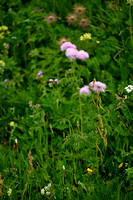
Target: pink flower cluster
72	53
85	90
51	80
96	86
67	45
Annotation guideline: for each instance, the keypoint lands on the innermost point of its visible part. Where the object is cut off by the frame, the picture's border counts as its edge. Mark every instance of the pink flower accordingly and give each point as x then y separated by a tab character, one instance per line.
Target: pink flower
56	80
85	90
97	86
67	45
39	73
50	80
71	53
82	55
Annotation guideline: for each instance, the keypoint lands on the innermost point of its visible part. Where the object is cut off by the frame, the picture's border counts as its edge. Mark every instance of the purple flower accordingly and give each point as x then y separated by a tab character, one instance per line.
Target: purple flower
69	70
3	97
85	90
56	80
97	86
7	46
67	45
39	73
36	9
50	80
6	80
71	53
82	55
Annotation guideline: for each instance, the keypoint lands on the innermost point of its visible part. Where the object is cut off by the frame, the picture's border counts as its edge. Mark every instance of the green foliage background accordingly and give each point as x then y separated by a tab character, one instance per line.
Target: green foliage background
62	133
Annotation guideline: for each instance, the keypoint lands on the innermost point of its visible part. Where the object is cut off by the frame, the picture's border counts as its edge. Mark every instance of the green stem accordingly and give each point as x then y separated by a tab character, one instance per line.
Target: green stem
130	28
81	117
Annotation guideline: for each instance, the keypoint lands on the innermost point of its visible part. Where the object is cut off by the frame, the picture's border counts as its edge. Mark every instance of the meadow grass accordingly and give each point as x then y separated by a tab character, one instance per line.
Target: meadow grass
66	120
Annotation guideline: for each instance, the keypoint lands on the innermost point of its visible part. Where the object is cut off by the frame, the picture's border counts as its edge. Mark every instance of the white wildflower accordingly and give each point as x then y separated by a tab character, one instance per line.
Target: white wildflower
47	193
130	2
42	191
129	88
48	187
63	167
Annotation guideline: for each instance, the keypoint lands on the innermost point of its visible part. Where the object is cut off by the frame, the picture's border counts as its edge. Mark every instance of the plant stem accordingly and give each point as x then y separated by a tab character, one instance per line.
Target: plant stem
125	124
81	115
130	28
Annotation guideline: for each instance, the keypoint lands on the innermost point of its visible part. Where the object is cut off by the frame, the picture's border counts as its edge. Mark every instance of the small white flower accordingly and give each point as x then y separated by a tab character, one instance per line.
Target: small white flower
42	191
9	192
16	141
129	88
63	167
46	188
49	186
47	193
130	2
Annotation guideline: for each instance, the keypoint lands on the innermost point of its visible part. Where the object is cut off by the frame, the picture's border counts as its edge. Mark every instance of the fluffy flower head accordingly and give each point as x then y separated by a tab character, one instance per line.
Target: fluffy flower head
71	19
85	90
67	45
82	55
71	53
97	86
51	18
79	10
84	22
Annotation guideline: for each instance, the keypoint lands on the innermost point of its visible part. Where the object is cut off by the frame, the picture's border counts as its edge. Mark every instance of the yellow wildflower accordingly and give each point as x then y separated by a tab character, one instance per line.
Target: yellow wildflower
89	171
4	28
1	35
86	36
120	165
2	63
12	124
97	42
81	38
8	32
